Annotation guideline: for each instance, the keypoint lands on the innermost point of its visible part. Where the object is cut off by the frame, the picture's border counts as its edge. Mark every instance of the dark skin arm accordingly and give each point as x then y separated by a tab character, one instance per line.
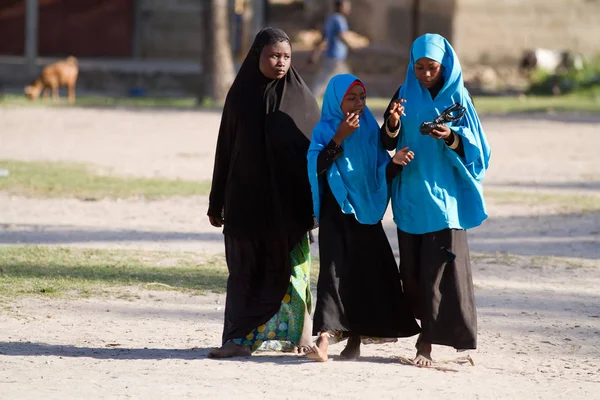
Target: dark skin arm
399	161
388	142
445	133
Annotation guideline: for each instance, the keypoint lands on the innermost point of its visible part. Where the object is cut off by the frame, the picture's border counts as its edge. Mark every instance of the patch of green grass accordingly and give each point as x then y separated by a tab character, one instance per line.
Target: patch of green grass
74	272
52	271
541	262
532	262
53	179
11	100
494	258
578	103
587	101
562	202
584	81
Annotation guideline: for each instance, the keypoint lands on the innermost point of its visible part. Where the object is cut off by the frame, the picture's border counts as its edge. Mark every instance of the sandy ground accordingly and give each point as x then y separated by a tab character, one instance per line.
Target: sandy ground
539	318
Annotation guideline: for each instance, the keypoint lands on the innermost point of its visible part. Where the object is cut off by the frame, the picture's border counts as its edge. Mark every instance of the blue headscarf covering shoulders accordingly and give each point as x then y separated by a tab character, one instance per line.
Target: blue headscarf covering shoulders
357	178
439	189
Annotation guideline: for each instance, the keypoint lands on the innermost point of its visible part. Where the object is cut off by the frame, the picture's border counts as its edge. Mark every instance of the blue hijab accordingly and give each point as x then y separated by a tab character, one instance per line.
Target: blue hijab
439	189
357	178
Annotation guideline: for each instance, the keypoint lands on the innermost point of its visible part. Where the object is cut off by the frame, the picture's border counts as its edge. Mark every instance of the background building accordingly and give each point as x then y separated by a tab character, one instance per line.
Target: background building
158	43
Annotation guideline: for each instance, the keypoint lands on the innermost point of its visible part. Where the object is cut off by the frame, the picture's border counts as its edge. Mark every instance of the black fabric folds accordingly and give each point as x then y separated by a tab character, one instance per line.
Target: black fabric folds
260	181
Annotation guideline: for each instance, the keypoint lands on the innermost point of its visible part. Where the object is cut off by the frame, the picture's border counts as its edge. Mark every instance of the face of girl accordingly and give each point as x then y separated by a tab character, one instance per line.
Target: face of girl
275	60
355	100
428	72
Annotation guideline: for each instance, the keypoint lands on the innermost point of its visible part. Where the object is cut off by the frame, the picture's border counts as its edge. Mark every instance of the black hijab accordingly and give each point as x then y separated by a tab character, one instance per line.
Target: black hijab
260	180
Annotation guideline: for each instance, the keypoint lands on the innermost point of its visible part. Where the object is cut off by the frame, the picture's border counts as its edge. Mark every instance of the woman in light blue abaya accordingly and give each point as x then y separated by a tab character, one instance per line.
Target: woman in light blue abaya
438	195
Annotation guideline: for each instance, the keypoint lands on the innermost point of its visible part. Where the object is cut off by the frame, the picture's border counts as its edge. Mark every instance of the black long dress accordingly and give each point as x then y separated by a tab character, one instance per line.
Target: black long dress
359	291
260	186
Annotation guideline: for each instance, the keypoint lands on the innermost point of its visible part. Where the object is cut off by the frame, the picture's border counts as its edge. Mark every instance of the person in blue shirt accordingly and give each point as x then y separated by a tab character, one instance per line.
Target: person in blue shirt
335	37
438	196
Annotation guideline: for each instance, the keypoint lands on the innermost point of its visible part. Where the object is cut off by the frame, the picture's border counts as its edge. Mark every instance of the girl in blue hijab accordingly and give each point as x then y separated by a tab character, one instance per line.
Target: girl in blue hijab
359	291
438	196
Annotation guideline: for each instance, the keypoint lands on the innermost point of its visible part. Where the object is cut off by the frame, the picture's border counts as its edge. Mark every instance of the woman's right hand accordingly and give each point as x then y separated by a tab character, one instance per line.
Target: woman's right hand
346	127
217	222
396	110
403	157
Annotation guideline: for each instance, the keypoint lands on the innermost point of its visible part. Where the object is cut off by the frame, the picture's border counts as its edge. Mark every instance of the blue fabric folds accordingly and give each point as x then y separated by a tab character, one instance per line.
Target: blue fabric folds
357	178
439	189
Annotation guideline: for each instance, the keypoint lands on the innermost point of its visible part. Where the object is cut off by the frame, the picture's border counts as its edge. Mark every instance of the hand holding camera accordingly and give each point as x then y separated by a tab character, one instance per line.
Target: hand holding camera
437	127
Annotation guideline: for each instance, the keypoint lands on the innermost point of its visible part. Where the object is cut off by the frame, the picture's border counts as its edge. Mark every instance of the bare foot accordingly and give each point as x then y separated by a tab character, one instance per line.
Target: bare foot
423	358
318	352
229	350
352	350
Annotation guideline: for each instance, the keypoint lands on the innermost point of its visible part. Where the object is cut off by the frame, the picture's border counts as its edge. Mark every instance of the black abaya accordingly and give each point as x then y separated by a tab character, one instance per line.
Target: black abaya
260	186
436	275
359	291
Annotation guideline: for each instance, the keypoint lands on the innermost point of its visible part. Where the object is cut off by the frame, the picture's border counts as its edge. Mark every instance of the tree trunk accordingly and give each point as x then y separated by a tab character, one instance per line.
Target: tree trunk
416	19
217	60
245	13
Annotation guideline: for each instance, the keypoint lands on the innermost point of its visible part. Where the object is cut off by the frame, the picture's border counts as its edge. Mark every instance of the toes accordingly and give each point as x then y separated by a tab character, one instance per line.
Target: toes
214	353
314	353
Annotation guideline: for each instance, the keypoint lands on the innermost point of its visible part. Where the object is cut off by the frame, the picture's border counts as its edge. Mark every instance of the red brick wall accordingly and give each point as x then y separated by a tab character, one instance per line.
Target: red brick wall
83	28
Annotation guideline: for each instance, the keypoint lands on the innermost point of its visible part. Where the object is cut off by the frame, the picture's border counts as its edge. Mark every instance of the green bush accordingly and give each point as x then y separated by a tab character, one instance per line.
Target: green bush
584	81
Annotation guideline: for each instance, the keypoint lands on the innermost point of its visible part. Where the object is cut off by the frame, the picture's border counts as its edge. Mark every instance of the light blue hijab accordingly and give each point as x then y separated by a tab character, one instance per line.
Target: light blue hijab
439	189
357	178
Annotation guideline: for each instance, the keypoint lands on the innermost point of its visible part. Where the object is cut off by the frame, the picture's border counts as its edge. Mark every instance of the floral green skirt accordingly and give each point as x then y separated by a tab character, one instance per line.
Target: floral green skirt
284	330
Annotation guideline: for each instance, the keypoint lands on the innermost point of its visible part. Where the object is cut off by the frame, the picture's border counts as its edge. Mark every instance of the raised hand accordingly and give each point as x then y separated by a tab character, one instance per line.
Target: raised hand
403	157
396	110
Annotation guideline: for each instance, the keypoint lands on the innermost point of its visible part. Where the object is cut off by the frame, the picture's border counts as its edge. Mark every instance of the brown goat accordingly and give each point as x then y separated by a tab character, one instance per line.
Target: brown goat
61	73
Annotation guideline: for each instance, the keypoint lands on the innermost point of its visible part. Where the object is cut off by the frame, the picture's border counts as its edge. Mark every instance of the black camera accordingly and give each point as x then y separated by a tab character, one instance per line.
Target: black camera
446	116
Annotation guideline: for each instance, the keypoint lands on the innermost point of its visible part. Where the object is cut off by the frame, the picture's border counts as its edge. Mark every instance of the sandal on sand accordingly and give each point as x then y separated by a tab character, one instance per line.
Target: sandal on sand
459	361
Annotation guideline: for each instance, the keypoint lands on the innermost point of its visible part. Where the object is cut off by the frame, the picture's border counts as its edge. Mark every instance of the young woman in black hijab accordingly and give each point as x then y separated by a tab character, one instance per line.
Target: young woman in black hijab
261	196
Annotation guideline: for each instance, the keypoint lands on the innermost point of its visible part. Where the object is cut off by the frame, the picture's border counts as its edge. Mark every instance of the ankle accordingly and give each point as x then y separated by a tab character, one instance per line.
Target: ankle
423	347
354	341
323	338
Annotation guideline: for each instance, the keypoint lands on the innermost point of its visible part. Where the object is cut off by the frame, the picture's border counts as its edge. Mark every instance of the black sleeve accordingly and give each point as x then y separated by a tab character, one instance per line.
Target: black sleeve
460	149
221	168
327	156
388	142
391	171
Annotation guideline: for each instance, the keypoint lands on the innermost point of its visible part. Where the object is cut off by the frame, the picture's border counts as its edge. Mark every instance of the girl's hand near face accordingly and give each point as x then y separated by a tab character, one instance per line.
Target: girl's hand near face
347	127
403	157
